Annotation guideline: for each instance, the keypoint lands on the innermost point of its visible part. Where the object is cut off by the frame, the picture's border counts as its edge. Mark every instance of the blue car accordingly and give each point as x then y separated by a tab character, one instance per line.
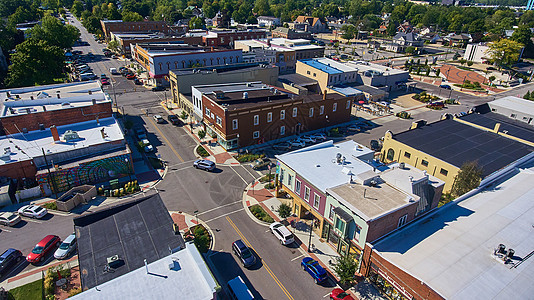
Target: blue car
313	268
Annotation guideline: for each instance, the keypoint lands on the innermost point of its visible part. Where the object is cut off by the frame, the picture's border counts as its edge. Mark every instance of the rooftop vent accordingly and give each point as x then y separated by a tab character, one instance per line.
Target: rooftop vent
71	136
114	261
219	94
245	95
402	165
249	84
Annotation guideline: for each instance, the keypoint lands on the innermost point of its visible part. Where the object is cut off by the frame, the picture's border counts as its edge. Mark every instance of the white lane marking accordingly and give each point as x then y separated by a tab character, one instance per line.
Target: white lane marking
222	216
210	210
239	175
297	257
173	171
253	177
6	230
32	220
326	295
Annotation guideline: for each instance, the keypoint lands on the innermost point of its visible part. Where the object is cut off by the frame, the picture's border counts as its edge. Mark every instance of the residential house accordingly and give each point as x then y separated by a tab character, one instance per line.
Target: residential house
287	33
267	21
405	27
310	24
195	10
432	38
403	40
220	21
252	113
458	40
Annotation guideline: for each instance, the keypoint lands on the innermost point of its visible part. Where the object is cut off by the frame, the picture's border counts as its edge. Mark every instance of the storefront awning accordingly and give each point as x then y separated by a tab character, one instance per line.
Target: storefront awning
343	215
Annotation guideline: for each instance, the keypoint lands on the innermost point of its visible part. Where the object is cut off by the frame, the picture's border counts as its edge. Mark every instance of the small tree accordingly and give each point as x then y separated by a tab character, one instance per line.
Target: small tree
469	63
467	178
427	71
527	95
491	79
462	61
345	267
410	49
184	115
284	210
202	134
438	71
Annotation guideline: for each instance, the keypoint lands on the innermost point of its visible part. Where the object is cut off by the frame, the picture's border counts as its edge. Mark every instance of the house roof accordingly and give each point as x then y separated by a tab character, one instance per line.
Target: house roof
457	143
136	230
409	37
452	250
305	19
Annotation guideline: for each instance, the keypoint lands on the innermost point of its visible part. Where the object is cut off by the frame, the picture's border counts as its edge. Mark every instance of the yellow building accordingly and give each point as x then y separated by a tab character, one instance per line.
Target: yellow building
441	148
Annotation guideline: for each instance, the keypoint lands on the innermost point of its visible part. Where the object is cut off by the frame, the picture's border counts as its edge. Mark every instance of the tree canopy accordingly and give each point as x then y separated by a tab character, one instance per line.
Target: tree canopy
55	33
467	178
504	52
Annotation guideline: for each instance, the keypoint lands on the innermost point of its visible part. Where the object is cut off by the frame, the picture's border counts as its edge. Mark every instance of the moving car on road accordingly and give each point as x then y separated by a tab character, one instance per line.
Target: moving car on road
32	211
9	259
66	248
260	163
158	119
9	219
45	246
243	253
174	119
282	233
204	164
158	88
316	271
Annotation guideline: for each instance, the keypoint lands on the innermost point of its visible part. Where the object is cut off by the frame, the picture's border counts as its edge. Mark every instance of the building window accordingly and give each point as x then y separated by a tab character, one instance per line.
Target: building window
513	116
314	74
407	154
282	130
402	221
321	110
289	179
295	112
282	114
234	124
256	120
218	120
316	200
331	213
348	104
308	72
269	117
357	232
297	187
334	108
340	226
443	172
281	175
391	154
306	193
207	112
311	112
424	163
256	134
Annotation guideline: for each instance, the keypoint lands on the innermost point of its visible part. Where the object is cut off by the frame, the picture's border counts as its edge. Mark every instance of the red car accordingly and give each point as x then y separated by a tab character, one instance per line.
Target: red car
339	294
104	81
45	246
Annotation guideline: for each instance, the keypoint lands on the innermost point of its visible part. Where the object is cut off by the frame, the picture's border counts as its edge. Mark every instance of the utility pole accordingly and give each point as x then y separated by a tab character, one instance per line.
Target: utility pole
50	177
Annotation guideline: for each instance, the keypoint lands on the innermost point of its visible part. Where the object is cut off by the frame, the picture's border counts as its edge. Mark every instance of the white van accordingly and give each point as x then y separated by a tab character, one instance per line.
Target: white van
113	71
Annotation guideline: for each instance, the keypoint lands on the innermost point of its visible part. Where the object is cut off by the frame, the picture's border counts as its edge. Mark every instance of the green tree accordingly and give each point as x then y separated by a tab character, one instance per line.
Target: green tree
491	79
504	52
129	16
469	63
284	210
196	23
467	179
262	8
92	24
345	267
348	32
113	45
35	62
410	49
523	35
77	8
55	33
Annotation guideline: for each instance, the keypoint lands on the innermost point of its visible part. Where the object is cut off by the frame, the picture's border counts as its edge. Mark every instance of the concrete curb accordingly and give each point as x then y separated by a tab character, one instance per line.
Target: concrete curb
201	222
245	206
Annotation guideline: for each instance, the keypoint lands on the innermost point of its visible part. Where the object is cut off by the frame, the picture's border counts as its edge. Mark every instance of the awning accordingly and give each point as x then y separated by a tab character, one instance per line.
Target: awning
343	215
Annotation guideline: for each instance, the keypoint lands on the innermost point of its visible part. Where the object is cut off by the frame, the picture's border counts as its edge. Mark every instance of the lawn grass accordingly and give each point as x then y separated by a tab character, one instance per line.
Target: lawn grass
30	291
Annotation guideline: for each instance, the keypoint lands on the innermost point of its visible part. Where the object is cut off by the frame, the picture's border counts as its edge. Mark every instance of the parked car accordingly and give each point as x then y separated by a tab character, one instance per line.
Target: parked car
436	105
298	143
137	81
158	88
140	133
316	271
204	164
130	76
308	139
32	211
282	233
104	81
159	119
445	86
343	56
9	219
260	163
339	294
375	145
103	76
66	248
147	146
9	259
113	71
319	137
45	246
353	128
174	119
282	146
245	255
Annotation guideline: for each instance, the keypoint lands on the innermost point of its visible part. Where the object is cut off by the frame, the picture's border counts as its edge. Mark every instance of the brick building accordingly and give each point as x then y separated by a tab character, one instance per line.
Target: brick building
246	114
287	33
126	39
225	37
109	26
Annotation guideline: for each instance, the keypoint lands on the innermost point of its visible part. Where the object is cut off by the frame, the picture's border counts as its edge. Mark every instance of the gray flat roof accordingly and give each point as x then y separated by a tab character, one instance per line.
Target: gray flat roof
136	230
297	79
458	143
512	127
514	103
452	250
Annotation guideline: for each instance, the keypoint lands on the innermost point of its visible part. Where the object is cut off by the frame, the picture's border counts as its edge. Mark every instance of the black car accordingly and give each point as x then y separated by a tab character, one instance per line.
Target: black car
174	119
158	88
8	259
243	253
137	81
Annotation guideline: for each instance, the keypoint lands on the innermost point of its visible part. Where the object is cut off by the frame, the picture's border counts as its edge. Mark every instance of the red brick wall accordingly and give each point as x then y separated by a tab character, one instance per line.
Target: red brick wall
193	40
224	38
389	222
412	285
142	26
12	124
18	170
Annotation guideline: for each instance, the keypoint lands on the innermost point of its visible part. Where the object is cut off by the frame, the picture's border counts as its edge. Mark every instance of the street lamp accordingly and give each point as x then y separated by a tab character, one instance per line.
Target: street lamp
129	169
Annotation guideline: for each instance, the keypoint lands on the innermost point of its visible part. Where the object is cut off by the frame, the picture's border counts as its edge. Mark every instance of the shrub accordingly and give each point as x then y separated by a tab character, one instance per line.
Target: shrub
202	134
49	283
284	210
403	115
184	115
334	132
260	213
248	157
50	205
202	151
269	186
74	292
202	238
469	63
267	178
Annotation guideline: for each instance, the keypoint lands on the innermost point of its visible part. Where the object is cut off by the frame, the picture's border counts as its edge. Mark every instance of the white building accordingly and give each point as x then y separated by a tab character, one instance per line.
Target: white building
476	52
267	21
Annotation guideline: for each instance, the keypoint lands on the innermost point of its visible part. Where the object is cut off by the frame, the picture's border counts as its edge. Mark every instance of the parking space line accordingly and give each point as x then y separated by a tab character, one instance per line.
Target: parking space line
32	220
282	287
166	140
6	230
326	295
297	257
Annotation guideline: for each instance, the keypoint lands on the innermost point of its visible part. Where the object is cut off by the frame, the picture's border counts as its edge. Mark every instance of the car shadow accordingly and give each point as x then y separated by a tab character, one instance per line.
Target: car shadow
217	171
47	217
20	224
259	262
16	269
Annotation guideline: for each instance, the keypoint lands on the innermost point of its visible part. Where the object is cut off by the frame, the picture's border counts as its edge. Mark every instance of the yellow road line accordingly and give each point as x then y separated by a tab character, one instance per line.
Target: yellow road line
244	239
166	140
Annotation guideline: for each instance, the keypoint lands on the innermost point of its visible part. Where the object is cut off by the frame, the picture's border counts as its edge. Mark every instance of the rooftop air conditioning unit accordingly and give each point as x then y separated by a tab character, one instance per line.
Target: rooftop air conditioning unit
114	261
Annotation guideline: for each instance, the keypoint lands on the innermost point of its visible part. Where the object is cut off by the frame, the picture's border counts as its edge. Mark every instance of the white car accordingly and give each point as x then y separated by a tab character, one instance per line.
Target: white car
68	245
308	139
9	219
32	211
282	233
159	119
319	137
297	143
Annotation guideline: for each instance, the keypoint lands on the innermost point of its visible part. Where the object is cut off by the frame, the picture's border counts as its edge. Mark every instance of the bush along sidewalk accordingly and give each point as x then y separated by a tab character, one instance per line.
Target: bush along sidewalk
260	213
128	188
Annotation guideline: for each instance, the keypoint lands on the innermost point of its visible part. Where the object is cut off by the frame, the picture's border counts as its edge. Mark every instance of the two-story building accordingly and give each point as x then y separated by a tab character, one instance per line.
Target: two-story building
227	37
251	113
307	23
109	26
288	33
268	21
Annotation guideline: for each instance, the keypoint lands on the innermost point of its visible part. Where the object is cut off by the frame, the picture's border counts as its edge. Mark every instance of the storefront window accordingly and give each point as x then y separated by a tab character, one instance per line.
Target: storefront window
384	286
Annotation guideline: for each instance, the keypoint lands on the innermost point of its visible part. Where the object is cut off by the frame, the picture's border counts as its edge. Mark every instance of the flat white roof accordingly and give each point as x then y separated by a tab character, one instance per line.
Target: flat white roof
332	63
18	101
181	275
318	163
368	66
452	250
405	176
514	103
30	145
